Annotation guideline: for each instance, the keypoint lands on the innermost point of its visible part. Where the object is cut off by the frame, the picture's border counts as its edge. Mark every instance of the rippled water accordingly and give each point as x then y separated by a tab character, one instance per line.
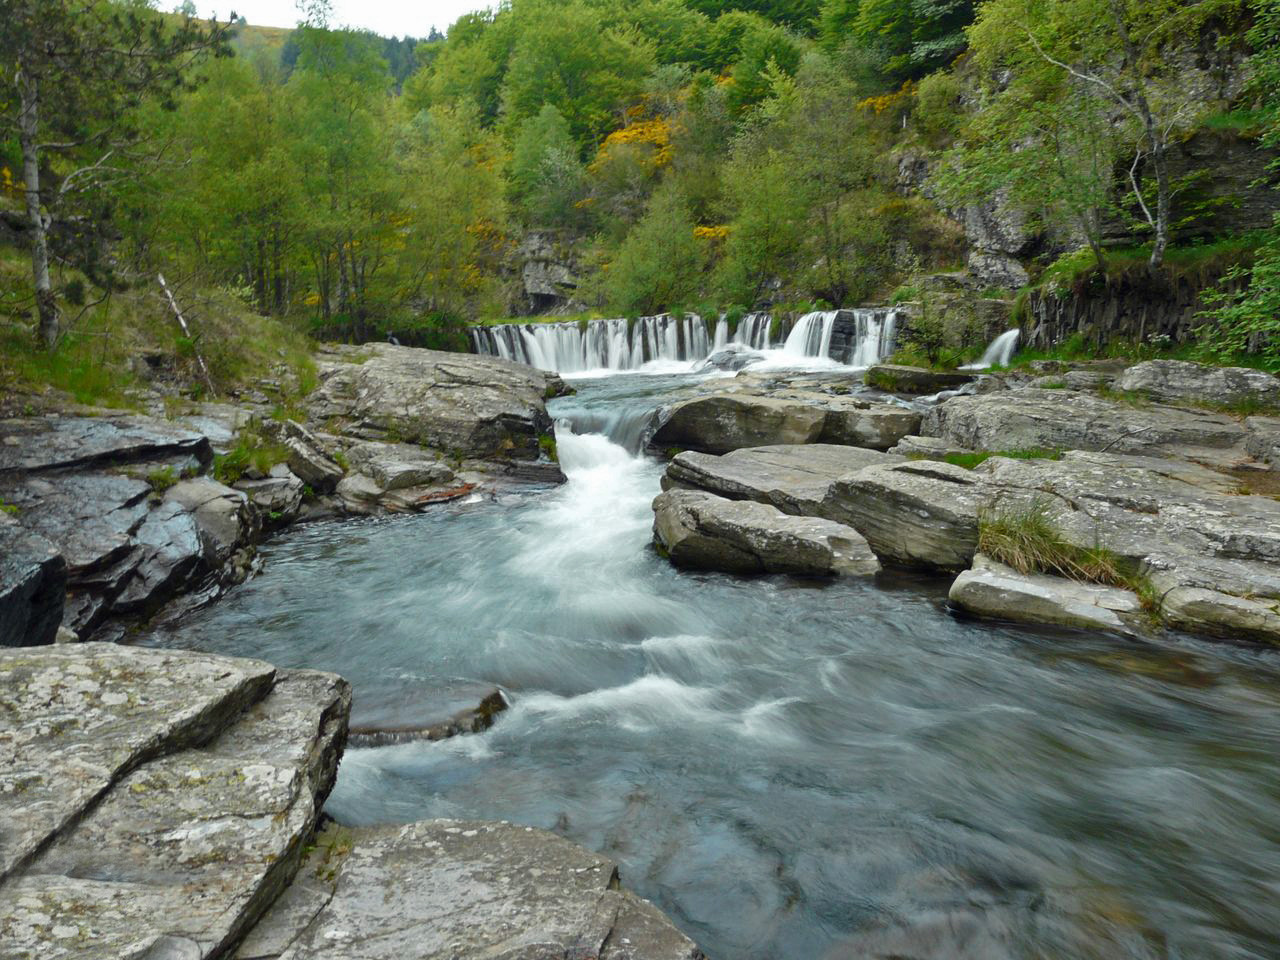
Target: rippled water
789	768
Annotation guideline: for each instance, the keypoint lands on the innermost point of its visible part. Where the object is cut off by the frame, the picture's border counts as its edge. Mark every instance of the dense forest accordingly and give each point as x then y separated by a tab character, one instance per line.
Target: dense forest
687	154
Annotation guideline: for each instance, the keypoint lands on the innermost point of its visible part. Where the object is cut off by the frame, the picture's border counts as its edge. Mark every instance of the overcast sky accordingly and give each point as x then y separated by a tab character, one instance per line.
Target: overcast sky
390	18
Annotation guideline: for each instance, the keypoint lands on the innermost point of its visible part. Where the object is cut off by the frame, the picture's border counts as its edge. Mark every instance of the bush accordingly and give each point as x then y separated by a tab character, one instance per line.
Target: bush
938	105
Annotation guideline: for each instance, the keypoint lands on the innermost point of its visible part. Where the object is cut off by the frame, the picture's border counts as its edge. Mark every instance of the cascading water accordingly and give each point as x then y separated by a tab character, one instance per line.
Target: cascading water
866	335
811	336
754	331
999	352
606	344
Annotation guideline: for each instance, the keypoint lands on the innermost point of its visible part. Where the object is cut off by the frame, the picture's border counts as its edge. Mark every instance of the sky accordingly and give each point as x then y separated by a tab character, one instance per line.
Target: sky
390	18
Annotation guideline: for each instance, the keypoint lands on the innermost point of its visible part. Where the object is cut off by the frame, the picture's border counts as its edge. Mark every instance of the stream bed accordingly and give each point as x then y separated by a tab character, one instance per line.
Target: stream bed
789	768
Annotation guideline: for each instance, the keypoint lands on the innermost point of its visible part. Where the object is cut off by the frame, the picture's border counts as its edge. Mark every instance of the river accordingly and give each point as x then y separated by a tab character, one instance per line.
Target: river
789	768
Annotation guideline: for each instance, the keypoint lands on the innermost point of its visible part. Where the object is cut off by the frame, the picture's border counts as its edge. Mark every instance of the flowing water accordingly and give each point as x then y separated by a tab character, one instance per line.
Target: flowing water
790	768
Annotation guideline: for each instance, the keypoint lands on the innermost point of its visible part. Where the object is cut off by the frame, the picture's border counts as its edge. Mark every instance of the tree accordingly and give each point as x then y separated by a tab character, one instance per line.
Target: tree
1116	47
660	264
546	174
78	71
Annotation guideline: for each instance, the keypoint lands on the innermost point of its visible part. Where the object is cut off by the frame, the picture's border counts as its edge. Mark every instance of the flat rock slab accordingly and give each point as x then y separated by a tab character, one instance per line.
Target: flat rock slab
462	404
993	590
1031	419
445	889
51	443
185	852
895	378
701	531
76	719
719	424
793	478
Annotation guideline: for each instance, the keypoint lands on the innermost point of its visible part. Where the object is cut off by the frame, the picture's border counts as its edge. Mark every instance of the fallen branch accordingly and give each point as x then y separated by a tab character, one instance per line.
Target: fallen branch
186	332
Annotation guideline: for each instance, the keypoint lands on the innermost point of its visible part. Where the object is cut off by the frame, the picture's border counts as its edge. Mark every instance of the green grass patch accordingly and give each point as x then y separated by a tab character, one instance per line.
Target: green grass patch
1026	539
547	444
971	460
251	449
162	479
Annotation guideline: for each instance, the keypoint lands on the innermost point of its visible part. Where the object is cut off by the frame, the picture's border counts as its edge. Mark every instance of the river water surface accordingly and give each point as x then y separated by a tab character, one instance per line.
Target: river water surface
791	769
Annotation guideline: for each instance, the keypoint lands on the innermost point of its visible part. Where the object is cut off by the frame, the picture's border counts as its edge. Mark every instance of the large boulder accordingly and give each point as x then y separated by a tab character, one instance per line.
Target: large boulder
920	513
394	466
718	424
793	478
439	889
33	587
306	458
702	531
462	404
156	802
995	591
1178	381
1033	419
895	378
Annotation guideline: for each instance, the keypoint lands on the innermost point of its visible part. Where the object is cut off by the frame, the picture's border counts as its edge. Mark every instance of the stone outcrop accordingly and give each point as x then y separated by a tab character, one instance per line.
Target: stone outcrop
158	804
225	518
1035	419
995	591
42	444
33	585
699	530
441	889
795	479
460	404
1174	381
921	513
894	378
751	417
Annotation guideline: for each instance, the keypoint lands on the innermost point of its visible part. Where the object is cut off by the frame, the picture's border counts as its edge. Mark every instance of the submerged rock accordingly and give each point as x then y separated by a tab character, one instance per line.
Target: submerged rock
702	531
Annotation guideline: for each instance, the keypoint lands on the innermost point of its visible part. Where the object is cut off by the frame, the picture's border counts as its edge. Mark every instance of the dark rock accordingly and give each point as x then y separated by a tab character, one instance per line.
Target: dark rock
33	587
893	378
719	424
732	356
58	442
474	719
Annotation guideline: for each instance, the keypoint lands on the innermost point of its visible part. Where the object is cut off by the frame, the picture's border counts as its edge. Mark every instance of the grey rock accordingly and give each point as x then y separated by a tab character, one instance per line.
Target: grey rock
793	478
442	889
1031	419
732	356
226	518
861	424
74	719
702	531
279	498
475	718
895	378
169	556
186	851
467	405
719	424
359	494
33	587
394	466
1173	381
1264	439
50	443
993	590
921	513
926	448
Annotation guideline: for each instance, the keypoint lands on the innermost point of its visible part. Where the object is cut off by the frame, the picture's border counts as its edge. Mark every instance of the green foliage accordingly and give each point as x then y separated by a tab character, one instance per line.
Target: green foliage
9	509
660	264
1025	538
162	479
547	177
971	460
251	449
547	444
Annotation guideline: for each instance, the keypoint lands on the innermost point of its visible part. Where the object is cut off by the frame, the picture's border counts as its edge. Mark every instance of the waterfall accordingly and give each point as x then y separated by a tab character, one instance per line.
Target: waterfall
811	336
753	331
1000	351
607	344
722	334
874	336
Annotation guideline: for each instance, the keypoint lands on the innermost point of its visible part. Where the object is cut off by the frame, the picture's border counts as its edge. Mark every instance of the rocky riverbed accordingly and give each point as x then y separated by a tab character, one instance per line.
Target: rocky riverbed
165	803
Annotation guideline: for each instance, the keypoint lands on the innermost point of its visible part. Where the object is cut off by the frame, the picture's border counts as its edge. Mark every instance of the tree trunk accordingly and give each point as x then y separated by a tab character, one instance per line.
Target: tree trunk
28	138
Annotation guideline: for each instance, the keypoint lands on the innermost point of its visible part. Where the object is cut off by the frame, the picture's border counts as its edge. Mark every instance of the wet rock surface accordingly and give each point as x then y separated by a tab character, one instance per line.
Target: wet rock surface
702	531
52	443
455	888
33	583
